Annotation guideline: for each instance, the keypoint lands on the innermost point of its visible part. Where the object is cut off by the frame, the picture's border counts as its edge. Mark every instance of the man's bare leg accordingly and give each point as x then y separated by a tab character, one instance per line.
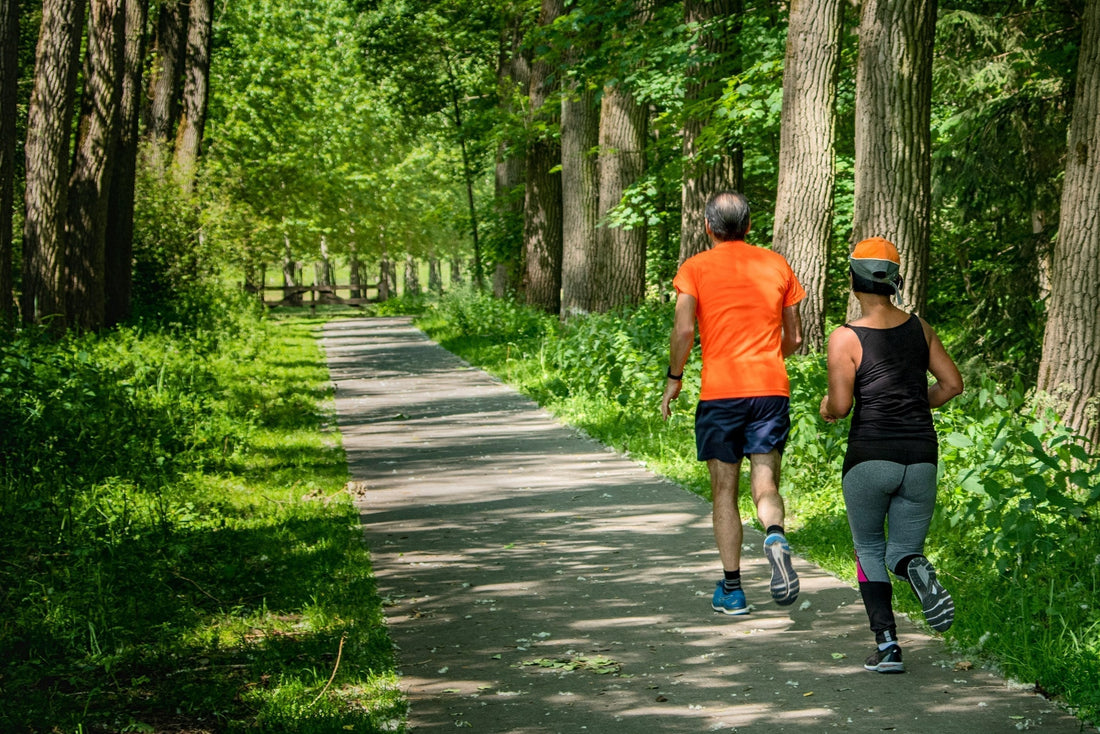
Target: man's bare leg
764	479
725	515
728	534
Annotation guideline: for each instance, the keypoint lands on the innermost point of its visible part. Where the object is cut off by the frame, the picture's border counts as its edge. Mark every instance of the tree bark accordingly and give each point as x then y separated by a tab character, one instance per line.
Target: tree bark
893	134
385	279
196	88
513	79
120	210
166	76
804	198
580	185
706	171
49	121
542	210
9	88
619	274
1070	365
89	186
412	276
435	275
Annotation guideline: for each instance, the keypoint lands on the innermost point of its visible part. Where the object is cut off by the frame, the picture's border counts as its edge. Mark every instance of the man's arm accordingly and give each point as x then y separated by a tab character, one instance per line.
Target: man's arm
680	343
792	330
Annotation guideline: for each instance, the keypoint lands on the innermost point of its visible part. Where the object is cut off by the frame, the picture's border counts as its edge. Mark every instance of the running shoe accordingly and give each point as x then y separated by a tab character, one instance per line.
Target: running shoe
784	586
938	606
885	661
729	602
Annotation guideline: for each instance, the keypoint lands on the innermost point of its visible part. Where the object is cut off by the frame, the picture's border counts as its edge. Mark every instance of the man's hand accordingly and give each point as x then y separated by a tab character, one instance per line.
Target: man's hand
672	390
824	410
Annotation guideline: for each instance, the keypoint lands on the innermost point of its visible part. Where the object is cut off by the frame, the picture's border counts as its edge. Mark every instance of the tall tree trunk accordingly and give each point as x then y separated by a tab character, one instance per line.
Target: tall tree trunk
196	88
893	134
385	279
706	171
435	275
120	210
620	257
355	278
804	198
49	121
89	187
166	76
1070	365
456	271
580	186
9	86
467	170
513	80
542	210
412	276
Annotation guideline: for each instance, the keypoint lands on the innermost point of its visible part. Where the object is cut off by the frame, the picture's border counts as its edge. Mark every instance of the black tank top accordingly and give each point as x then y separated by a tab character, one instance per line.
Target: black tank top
892	419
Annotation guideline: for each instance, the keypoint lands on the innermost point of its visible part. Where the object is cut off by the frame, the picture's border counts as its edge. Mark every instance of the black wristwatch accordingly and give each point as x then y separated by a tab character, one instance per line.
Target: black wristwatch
671	376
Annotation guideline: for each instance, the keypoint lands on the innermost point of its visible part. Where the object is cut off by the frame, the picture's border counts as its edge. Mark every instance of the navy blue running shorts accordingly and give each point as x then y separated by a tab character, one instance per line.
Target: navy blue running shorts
731	428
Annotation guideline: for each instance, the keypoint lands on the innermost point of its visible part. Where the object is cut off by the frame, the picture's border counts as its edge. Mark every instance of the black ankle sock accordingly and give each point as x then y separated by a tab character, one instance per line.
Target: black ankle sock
774	529
902	569
731	580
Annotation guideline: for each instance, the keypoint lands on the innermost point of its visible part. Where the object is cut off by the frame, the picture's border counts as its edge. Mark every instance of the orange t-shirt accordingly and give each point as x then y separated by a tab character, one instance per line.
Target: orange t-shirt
740	292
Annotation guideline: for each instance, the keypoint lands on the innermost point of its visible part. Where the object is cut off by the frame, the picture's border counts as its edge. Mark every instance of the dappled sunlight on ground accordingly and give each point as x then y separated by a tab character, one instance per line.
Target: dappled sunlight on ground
536	582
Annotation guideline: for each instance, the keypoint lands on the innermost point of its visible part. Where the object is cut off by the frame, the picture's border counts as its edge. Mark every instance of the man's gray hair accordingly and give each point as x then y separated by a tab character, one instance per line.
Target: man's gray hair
727	213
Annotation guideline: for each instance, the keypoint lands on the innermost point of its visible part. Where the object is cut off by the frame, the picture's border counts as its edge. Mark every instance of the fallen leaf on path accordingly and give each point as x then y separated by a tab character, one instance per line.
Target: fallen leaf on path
964	665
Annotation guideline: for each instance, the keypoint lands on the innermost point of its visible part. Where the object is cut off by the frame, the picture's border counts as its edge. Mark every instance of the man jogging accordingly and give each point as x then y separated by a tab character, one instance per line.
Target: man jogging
745	300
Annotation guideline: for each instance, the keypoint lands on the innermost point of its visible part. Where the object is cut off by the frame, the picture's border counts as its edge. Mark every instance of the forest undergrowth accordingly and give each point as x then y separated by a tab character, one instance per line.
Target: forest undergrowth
177	549
1015	531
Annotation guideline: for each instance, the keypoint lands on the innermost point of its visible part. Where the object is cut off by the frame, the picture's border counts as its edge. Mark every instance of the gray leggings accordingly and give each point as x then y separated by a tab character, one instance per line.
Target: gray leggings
875	491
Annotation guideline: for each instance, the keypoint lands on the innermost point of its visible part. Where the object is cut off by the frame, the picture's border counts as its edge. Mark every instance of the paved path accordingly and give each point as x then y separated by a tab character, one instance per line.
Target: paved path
536	582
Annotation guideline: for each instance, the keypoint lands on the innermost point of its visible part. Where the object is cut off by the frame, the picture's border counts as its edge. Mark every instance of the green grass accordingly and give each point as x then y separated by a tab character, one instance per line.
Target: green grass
1013	533
223	587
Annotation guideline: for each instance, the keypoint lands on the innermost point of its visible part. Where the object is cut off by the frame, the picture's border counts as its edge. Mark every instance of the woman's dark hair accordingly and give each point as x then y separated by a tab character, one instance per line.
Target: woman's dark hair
727	213
865	285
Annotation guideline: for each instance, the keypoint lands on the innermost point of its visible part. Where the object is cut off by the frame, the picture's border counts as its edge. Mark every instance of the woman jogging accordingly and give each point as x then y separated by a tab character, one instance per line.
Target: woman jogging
880	362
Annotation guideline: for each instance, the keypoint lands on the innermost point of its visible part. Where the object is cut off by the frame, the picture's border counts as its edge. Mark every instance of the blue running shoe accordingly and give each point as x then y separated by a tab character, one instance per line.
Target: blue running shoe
729	602
784	586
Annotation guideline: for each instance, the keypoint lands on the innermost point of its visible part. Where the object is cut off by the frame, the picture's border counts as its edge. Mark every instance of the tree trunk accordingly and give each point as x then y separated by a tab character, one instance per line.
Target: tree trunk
619	273
166	76
355	279
706	171
513	80
1070	365
385	279
412	276
542	223
49	121
893	135
120	210
456	271
804	198
89	187
435	276
9	87
580	186
196	87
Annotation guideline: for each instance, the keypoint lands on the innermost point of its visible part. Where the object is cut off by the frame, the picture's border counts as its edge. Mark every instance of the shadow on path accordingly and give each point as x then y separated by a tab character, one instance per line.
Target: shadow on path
537	582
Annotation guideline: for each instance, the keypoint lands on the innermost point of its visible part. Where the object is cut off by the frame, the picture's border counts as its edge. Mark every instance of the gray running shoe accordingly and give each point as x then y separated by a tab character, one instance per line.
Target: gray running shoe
885	661
784	586
938	606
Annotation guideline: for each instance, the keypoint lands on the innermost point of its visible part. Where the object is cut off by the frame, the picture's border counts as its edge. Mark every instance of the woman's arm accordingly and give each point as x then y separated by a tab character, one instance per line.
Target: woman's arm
844	355
948	382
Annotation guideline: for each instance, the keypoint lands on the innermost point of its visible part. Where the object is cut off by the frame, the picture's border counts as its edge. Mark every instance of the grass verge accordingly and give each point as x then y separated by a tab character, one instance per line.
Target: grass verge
225	587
